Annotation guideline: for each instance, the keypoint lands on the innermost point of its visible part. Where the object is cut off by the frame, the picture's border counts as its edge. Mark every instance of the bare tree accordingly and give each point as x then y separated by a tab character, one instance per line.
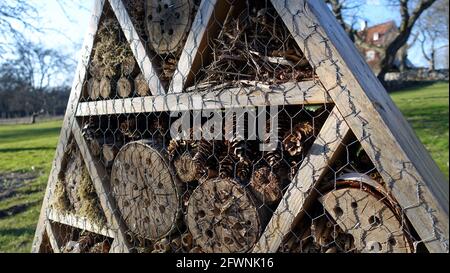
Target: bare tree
346	13
410	12
434	32
14	17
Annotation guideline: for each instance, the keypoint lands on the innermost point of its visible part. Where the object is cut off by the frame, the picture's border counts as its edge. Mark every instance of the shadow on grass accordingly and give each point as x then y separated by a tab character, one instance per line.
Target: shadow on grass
14	210
14	150
29	132
15	232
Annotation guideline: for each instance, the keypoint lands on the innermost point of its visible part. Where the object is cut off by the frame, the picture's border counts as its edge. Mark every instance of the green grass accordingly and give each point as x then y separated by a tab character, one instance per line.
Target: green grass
427	109
27	147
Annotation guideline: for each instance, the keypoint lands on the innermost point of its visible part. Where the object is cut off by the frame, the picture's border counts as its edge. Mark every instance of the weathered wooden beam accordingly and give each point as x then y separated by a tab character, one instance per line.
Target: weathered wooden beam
80	223
286	94
100	179
207	23
324	151
409	171
138	48
69	119
53	237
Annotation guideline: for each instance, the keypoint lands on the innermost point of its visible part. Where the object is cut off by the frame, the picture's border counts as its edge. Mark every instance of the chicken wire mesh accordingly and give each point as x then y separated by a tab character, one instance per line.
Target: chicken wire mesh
152	173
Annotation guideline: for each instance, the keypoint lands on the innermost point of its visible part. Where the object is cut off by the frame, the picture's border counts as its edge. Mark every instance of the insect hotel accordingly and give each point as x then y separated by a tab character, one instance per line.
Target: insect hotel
345	172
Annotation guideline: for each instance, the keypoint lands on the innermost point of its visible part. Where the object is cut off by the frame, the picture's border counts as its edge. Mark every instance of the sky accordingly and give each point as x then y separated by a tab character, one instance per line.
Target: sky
65	23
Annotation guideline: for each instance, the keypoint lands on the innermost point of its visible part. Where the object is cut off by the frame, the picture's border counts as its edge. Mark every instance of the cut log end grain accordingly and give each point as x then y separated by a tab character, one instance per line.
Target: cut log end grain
146	191
223	218
141	86
105	87
166	36
124	87
93	88
266	186
379	229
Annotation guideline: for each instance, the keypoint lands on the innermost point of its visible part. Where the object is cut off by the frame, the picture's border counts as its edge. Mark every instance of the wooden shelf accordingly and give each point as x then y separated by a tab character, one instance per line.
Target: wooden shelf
79	222
308	92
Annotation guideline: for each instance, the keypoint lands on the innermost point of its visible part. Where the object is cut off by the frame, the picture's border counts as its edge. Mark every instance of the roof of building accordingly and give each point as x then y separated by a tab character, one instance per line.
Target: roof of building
380	28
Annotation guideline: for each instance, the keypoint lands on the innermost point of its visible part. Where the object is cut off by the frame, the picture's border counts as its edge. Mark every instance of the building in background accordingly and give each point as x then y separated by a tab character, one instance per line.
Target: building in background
372	42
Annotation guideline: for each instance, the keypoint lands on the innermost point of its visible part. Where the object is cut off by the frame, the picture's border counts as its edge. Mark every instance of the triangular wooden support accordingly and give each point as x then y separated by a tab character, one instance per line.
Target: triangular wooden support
361	109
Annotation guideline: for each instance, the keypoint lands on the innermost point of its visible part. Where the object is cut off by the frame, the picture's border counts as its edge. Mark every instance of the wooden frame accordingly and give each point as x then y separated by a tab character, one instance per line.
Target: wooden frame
362	106
373	117
291	93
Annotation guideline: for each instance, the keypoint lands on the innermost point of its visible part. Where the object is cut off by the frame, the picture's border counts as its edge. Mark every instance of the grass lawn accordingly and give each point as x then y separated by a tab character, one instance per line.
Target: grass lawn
427	109
30	148
25	148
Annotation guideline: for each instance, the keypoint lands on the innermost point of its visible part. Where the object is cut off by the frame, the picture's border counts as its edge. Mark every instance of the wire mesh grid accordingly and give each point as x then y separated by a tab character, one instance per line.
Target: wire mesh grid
193	124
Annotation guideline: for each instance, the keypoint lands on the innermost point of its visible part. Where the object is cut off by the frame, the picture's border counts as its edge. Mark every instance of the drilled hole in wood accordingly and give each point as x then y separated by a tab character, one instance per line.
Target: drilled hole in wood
201	214
338	211
374	221
375	247
170	32
238	226
354	205
209	233
392	242
162	209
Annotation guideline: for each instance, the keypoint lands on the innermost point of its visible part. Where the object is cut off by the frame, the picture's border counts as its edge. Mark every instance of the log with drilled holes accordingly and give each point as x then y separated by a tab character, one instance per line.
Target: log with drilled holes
146	191
373	225
168	22
224	218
